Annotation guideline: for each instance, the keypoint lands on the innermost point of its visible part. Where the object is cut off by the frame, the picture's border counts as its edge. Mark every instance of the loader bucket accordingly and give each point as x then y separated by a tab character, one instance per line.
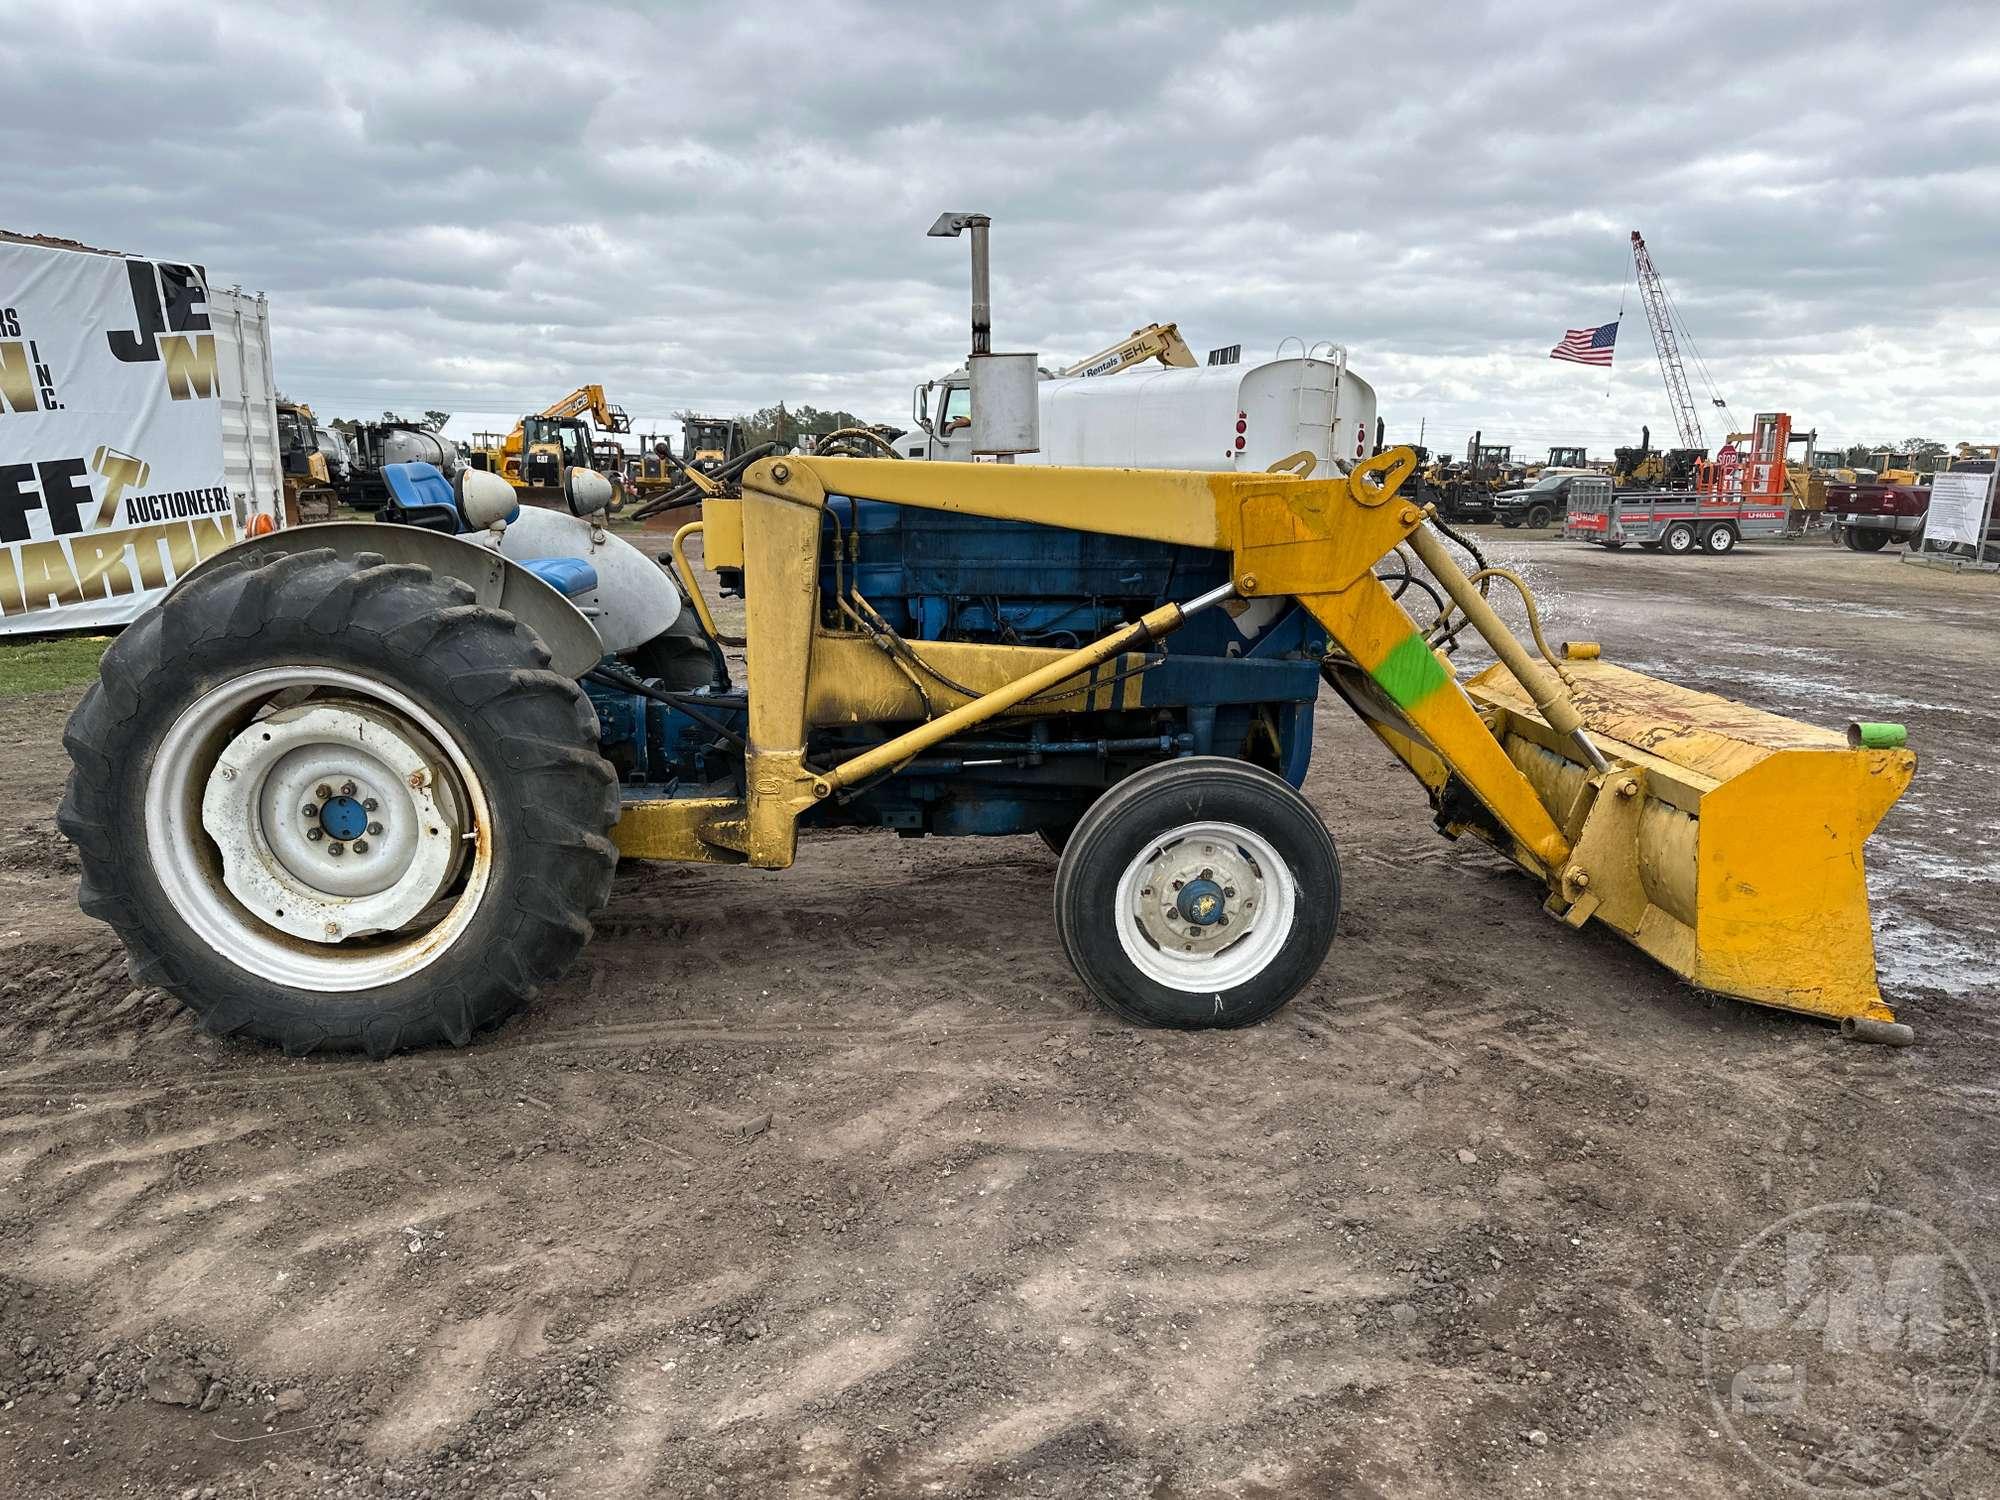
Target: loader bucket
1724	841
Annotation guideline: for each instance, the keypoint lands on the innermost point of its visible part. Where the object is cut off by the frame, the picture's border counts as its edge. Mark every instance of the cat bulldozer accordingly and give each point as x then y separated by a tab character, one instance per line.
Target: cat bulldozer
307	473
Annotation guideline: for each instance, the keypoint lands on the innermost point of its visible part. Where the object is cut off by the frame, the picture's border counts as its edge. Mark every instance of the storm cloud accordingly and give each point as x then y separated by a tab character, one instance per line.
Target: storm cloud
478	207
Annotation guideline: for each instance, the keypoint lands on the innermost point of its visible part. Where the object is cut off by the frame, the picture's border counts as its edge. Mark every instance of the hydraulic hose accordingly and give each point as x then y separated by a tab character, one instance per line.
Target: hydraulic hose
688	493
1471	547
1548	690
1527	600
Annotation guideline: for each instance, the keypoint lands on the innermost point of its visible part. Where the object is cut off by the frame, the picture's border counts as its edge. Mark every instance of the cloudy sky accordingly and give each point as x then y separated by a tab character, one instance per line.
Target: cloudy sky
477	207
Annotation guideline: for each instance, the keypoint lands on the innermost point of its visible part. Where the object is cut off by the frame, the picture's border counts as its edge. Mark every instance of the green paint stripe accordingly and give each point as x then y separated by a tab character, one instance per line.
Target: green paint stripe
1411	671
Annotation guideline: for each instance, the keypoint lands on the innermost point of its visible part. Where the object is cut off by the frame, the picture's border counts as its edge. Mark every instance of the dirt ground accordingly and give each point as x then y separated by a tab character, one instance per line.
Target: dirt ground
829	1182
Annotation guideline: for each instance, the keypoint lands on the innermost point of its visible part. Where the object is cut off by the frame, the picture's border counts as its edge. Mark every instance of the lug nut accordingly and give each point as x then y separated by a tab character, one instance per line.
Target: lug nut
1177	885
1147	891
1229	891
1207	874
310	810
361	846
336	849
1222	921
375	828
1194	932
323	791
315	834
347	789
369	804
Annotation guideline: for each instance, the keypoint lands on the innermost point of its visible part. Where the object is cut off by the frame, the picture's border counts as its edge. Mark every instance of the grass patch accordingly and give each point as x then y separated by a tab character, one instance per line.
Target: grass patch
49	664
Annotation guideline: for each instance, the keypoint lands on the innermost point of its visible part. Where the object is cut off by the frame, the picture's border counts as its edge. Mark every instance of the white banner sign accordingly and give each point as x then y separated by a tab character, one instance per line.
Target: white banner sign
111	454
1958	509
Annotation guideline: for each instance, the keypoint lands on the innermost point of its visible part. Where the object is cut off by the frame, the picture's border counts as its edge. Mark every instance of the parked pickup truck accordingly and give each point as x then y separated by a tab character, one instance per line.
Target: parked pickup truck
1542	502
1869	514
1672	521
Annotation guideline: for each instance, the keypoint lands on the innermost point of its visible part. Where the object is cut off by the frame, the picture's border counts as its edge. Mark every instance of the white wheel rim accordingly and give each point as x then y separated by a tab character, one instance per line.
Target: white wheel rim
1174	939
1723	540
227	833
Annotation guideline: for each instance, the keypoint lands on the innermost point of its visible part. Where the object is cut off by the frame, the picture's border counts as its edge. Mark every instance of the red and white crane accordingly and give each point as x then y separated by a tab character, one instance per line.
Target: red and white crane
1659	313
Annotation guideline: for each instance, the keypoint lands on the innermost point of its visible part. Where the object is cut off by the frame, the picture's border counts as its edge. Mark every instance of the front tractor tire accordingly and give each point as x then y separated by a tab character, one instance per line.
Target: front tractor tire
333	804
1198	893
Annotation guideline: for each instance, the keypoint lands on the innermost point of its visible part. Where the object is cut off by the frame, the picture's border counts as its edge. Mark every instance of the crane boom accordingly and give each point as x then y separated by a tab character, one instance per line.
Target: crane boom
1161	341
1686	420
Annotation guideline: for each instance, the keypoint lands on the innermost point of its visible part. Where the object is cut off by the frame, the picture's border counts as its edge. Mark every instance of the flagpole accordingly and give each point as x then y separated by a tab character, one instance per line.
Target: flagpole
1623	287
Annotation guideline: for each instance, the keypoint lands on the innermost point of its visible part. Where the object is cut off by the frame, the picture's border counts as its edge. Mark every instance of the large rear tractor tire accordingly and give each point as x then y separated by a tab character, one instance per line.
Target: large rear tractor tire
1198	893
333	804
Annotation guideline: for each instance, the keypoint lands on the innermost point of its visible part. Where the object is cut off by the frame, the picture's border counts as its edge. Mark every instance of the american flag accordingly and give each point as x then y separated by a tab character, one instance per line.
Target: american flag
1588	346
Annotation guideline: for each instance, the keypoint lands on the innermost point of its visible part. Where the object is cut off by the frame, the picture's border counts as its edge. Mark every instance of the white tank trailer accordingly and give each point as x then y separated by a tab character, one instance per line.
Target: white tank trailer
417	445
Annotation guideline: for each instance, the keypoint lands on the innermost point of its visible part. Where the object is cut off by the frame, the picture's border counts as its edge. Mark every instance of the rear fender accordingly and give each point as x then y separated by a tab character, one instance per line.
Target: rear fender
496	582
634	599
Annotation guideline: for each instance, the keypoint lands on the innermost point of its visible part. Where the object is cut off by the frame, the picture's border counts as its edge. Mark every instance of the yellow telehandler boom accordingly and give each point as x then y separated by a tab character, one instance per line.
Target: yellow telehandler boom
1161	341
559	433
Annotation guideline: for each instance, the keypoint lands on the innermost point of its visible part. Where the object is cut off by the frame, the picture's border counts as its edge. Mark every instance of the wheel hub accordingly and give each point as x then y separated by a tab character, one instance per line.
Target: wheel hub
334	819
1201	903
1197	896
343	818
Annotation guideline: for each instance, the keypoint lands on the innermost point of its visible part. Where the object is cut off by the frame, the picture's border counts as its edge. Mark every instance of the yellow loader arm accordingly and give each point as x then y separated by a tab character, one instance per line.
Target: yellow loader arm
1725	842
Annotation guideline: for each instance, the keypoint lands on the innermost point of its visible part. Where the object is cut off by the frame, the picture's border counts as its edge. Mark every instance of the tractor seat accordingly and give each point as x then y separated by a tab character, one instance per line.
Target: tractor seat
416	486
568	576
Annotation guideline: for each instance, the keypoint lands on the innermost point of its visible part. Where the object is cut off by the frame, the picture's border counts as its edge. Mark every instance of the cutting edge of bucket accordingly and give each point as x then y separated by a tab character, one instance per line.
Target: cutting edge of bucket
1750	882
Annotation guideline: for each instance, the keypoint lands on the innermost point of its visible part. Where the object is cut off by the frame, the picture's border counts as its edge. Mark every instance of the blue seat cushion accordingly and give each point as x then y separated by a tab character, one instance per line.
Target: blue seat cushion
416	485
568	576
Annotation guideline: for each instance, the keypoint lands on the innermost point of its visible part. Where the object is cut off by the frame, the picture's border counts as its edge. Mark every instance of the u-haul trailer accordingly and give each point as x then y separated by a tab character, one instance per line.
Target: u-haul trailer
138	430
1674	521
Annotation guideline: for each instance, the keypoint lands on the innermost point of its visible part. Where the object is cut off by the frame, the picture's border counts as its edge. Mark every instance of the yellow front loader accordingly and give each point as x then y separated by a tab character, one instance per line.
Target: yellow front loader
1724	841
390	771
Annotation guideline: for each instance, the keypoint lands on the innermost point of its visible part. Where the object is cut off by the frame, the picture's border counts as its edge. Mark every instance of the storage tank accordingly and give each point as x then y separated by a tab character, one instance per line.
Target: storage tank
1221	417
406	445
1228	418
